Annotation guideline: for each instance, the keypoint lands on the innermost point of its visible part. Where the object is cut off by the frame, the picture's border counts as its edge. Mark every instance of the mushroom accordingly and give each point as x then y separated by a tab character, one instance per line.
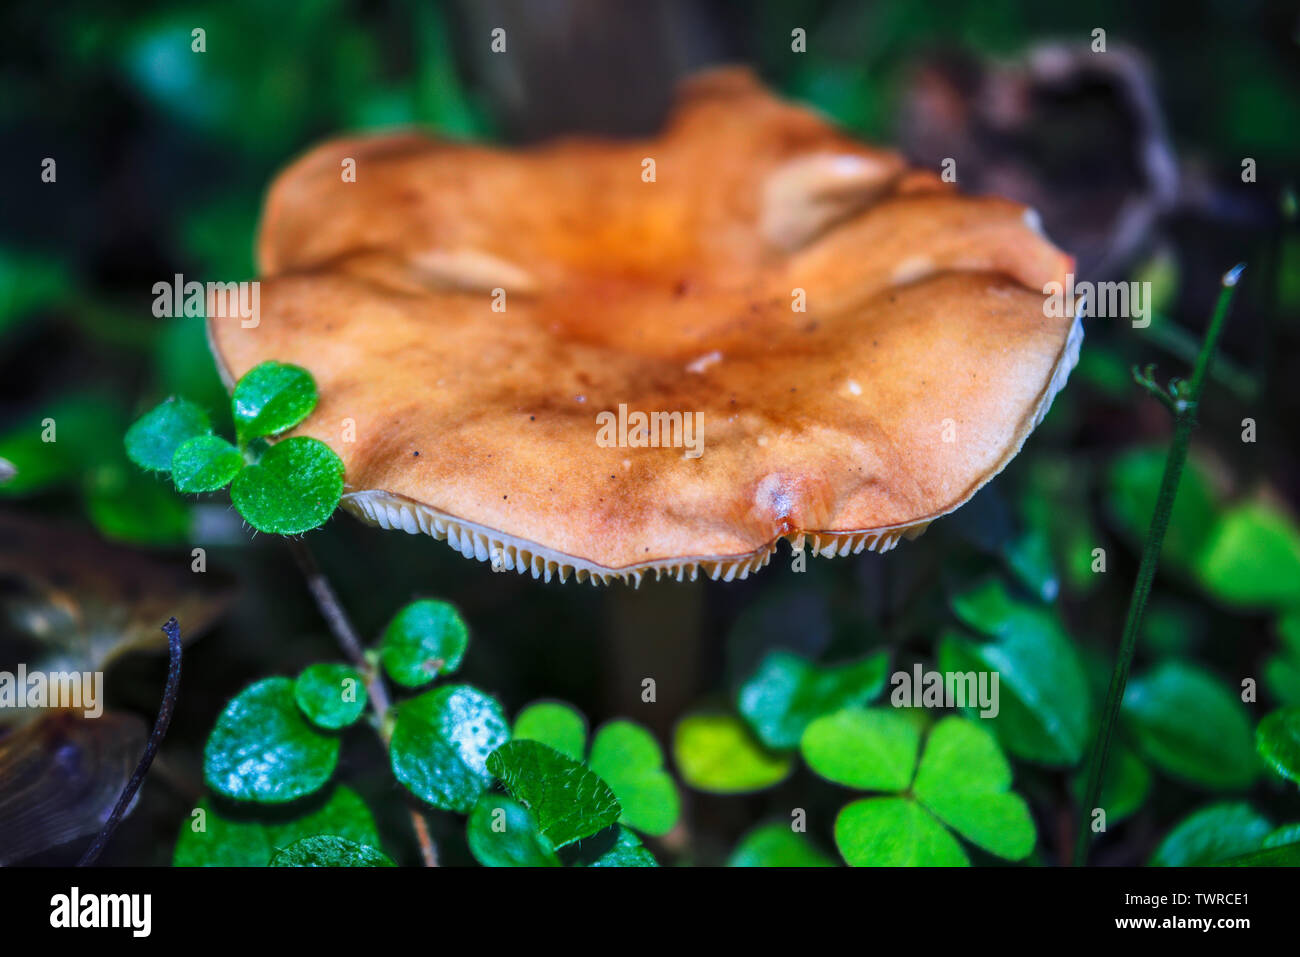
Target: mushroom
860	346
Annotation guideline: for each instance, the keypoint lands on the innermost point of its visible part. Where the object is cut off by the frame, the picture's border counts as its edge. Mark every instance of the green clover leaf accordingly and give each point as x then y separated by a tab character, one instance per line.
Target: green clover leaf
270	398
294	488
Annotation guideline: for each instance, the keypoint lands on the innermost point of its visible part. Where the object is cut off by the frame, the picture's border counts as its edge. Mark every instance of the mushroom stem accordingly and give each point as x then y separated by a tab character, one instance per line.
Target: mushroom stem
1183	402
331	609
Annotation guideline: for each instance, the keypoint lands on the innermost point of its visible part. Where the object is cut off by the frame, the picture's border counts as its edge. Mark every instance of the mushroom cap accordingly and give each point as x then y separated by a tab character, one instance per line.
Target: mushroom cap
921	361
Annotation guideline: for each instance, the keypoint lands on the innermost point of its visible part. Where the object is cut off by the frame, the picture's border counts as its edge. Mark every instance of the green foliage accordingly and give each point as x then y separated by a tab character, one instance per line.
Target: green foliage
962	780
628	758
624	755
332	696
554	723
568	800
1124	789
272	397
205	463
152	441
1212	835
329	850
502	833
1189	725
613	847
263	750
217	835
777	845
1278	741
895	832
1134	482
425	640
293	488
286	489
716	752
871	750
1252	558
1042	691
441	743
788	691
1282	670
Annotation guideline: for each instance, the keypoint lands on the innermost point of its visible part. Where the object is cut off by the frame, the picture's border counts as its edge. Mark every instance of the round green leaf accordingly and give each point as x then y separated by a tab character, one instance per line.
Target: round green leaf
212	835
425	639
263	750
331	695
294	488
441	742
1211	835
1042	694
554	723
205	463
270	398
1278	741
964	779
1252	558
152	441
568	800
895	832
871	750
716	752
328	850
627	758
787	692
501	833
776	845
1190	725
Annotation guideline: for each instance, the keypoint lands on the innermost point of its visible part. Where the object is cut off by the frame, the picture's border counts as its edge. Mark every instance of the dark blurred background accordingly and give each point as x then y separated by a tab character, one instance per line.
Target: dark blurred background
1134	158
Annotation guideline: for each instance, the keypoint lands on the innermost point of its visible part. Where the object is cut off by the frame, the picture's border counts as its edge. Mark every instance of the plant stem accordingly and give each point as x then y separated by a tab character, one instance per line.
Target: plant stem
1184	405
331	609
165	710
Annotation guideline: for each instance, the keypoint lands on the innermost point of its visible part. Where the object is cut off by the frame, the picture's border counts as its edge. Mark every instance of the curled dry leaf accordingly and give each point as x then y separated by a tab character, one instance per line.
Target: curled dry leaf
920	364
84	602
60	776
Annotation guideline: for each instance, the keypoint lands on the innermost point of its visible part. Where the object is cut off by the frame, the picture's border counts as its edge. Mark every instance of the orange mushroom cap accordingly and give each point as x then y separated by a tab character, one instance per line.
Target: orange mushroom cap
921	359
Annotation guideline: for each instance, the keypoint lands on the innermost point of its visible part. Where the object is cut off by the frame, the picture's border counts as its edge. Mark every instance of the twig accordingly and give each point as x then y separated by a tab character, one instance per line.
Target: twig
170	690
1182	399
331	609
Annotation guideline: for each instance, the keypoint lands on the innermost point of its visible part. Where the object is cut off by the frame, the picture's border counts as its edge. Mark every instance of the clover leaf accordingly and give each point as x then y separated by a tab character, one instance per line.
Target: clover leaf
292	489
425	639
787	692
270	398
263	750
216	834
441	742
205	463
717	752
502	833
329	850
332	696
152	441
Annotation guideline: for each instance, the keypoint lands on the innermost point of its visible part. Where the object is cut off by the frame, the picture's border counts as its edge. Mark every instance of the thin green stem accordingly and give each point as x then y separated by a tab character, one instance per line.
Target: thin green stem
1183	403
